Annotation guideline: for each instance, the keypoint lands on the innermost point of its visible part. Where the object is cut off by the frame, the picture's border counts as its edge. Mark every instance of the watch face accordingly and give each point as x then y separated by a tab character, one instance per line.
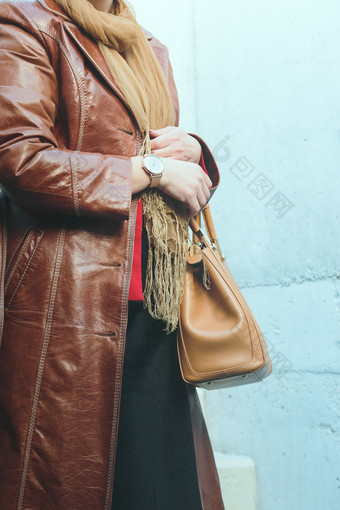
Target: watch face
154	164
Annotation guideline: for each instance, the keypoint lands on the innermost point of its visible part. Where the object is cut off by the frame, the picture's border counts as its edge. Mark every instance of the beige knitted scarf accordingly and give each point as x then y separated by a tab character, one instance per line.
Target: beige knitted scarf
139	76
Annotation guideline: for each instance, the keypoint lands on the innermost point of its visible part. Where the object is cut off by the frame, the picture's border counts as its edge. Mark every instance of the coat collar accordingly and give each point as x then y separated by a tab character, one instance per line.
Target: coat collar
88	46
54	8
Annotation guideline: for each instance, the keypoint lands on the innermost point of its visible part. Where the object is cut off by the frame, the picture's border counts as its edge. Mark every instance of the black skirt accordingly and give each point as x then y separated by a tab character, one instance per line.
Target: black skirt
155	461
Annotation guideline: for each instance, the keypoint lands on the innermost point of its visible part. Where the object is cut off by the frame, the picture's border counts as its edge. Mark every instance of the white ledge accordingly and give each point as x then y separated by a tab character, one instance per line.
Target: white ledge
238	481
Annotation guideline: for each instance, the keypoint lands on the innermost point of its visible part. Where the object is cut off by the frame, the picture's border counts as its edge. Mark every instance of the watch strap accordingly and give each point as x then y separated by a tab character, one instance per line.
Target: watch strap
154	178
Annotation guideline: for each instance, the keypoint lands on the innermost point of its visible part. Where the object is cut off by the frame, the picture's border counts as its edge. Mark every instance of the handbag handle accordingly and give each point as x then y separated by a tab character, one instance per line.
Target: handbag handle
197	219
195	225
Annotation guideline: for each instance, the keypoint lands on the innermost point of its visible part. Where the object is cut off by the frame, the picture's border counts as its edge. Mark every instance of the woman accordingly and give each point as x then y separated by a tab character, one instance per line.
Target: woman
85	97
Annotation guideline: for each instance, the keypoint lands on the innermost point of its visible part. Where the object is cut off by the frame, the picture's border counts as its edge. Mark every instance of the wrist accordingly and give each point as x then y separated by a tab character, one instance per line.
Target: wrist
140	180
153	166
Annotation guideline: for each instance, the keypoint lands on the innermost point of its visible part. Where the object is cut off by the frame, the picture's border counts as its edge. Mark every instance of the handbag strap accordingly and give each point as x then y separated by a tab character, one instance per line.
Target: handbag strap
197	219
195	225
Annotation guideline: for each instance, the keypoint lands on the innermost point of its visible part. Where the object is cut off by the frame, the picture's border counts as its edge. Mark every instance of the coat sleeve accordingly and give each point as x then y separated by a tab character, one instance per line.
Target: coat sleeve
40	176
209	163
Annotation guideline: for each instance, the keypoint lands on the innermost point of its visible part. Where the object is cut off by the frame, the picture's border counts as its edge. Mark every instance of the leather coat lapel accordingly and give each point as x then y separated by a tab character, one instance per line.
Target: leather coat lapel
87	46
90	49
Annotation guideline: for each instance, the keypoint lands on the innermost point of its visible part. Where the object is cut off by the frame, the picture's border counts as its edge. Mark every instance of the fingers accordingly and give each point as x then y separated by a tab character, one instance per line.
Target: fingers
202	199
158	132
207	180
203	190
165	152
191	207
195	206
187	183
198	195
179	144
191	212
161	141
206	192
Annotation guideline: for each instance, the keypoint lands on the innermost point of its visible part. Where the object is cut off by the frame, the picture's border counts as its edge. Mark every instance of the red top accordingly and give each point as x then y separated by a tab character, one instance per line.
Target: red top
136	289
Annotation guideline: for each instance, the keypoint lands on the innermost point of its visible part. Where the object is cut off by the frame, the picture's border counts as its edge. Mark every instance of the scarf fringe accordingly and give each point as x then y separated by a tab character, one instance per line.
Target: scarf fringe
168	243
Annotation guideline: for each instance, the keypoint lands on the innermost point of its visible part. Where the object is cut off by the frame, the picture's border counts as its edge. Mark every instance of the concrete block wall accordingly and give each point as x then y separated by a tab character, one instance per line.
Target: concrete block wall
260	81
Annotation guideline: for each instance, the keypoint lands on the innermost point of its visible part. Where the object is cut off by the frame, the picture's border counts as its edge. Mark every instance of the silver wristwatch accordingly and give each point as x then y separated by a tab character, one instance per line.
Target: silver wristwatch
153	165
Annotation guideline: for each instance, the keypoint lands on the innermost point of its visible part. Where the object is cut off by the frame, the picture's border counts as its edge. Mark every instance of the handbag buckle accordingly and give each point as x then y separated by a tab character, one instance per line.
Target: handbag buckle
217	247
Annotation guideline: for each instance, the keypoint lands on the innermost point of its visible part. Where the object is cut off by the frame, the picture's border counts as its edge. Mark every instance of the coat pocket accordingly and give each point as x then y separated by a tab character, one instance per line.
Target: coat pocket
20	263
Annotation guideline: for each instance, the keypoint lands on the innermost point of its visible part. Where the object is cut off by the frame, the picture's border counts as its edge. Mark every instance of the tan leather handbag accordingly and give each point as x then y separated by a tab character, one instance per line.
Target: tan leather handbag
219	342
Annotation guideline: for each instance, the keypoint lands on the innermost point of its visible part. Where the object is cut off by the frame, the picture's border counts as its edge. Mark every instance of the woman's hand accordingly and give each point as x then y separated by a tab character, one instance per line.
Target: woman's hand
172	142
186	182
182	180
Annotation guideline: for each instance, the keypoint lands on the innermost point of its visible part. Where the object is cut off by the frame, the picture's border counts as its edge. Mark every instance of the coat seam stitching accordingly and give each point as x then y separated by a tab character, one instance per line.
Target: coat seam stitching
83	110
19	256
121	346
120	361
16	249
109	81
3	252
25	270
43	354
75	182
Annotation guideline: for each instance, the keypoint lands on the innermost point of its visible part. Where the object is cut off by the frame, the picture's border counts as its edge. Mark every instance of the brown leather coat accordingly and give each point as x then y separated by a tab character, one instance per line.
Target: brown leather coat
66	138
